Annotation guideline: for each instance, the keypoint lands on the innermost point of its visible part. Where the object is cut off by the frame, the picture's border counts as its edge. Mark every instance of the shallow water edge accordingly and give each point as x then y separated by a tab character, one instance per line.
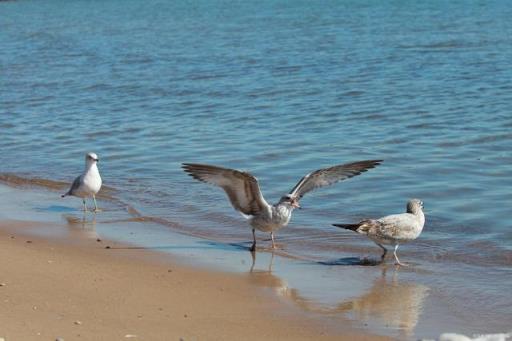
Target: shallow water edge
403	303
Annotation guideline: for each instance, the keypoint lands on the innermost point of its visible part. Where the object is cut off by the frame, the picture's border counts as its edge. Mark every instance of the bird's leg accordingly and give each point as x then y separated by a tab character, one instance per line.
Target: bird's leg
396	257
253	256
85	205
96	209
83	220
273	243
253	247
385	251
271	263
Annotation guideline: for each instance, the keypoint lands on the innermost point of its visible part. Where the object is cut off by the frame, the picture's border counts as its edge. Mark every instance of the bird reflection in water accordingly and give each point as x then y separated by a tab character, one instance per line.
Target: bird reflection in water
391	302
265	278
81	226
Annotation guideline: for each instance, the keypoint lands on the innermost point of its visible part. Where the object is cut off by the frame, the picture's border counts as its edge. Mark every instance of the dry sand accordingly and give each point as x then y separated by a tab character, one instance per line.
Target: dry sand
83	291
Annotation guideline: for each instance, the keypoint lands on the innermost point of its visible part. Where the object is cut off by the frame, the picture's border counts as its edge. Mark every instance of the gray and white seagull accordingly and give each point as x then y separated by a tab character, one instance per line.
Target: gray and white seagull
244	192
393	229
88	183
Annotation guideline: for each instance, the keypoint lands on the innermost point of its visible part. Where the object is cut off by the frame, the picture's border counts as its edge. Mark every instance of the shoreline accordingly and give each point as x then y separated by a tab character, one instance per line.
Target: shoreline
309	299
76	288
52	290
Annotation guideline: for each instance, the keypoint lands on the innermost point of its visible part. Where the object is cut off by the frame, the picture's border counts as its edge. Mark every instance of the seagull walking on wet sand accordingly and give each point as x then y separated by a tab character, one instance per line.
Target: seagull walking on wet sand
244	192
393	229
89	183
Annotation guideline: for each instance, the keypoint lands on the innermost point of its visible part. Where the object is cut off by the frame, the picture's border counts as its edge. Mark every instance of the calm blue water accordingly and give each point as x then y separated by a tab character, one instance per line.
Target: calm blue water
280	89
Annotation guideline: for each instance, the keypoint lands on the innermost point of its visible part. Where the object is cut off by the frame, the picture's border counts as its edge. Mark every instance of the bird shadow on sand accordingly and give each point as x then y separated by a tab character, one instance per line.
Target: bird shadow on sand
55	208
352	261
199	245
246	246
243	246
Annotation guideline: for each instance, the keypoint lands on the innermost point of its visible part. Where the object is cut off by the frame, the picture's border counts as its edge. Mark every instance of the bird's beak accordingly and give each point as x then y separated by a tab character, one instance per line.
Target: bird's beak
97	160
295	204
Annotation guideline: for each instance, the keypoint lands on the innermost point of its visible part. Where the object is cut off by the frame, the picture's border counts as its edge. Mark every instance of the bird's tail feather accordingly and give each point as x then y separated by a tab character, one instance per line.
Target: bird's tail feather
352	227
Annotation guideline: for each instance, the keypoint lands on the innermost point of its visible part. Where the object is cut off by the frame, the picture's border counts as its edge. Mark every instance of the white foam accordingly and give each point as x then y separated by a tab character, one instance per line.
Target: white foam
483	337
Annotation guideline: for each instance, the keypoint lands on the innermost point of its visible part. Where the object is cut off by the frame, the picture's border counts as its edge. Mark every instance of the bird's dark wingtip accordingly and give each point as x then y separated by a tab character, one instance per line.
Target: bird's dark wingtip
374	163
187	167
352	227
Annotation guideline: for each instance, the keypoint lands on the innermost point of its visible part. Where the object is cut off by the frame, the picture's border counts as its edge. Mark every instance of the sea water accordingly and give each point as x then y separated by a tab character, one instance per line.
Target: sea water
279	89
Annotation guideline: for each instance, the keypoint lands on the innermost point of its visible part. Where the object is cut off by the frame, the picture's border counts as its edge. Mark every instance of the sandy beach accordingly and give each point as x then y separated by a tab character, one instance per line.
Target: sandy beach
85	291
143	281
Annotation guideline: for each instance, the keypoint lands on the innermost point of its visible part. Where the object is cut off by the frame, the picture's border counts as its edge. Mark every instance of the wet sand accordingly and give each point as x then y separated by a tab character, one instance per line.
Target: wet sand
224	291
85	291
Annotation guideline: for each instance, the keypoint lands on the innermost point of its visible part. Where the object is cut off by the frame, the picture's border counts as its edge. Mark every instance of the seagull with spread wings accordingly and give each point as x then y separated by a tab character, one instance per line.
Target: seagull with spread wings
244	192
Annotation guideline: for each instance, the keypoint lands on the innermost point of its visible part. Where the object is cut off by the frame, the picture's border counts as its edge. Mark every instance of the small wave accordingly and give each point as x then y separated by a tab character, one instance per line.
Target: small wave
107	192
441	45
302	243
206	76
287	69
19	181
353	93
480	337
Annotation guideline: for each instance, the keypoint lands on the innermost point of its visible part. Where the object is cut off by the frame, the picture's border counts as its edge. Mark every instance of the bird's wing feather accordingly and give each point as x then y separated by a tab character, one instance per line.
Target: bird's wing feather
328	176
75	185
241	187
397	226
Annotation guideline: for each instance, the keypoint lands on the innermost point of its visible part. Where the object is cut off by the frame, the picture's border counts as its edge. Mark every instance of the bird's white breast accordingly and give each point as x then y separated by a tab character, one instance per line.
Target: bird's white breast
279	217
91	182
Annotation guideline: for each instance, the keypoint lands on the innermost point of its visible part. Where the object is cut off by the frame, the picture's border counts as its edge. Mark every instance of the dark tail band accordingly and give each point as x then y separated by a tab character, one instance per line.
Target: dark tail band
351	227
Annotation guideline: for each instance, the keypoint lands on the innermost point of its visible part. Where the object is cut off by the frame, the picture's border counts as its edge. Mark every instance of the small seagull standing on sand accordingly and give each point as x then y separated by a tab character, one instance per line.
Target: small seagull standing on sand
393	229
89	183
244	192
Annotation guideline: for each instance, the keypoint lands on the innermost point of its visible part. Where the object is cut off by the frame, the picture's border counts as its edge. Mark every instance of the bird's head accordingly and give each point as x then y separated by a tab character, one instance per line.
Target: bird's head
290	200
91	158
414	206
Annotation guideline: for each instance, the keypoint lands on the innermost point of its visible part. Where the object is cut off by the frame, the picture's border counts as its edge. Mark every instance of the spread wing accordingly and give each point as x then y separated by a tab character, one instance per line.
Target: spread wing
242	188
328	176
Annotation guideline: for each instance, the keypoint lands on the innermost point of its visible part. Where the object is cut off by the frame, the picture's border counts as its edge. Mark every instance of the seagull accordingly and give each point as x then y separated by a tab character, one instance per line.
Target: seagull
245	196
87	184
393	229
